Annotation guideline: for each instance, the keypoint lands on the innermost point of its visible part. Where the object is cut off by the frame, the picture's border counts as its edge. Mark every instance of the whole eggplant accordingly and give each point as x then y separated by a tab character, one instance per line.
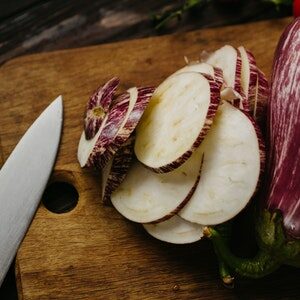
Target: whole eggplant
278	213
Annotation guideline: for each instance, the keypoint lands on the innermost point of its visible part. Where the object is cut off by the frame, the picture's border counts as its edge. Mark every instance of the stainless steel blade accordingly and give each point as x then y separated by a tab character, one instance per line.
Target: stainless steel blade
23	179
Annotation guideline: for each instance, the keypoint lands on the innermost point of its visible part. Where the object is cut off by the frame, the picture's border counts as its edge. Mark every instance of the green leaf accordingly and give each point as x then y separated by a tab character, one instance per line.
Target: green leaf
162	20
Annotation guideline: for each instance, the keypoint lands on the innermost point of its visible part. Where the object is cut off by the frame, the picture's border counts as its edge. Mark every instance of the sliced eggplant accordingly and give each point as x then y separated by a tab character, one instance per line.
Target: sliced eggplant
98	106
176	231
89	150
114	173
204	68
176	120
261	99
145	196
249	77
197	67
143	95
116	128
229	61
230	171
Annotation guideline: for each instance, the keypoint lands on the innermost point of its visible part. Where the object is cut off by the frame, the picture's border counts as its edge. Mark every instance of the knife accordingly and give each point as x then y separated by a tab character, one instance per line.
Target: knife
23	178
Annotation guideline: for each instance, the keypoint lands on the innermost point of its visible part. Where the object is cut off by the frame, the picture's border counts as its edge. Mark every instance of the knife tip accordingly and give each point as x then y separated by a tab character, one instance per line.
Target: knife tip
57	104
58	101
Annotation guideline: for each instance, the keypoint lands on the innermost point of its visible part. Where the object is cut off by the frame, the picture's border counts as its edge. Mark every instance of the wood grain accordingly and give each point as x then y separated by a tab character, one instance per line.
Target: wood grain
92	252
30	26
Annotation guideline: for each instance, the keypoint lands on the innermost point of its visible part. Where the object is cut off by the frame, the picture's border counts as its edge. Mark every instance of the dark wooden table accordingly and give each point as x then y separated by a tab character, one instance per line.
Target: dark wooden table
31	26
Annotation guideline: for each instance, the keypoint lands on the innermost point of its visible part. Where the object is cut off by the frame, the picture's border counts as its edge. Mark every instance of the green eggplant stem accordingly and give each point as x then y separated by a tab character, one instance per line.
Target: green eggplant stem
225	275
275	248
262	264
225	230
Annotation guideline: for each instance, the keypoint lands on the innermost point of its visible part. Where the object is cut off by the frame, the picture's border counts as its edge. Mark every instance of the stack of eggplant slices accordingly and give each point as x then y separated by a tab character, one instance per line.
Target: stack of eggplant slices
186	154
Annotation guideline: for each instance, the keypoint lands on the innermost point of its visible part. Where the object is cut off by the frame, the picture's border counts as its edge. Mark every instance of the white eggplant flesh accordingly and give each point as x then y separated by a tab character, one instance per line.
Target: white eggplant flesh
146	197
176	120
176	231
230	170
204	68
248	75
229	61
197	67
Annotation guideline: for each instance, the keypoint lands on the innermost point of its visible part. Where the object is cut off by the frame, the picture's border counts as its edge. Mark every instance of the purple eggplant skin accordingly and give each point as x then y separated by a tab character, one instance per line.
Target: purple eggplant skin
121	163
278	214
98	106
284	131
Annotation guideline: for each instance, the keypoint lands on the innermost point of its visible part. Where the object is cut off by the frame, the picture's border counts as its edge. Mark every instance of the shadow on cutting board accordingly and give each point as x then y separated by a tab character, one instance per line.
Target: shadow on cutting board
8	290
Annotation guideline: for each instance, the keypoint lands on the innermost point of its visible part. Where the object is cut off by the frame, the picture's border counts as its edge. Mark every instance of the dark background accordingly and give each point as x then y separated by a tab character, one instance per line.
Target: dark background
28	26
31	26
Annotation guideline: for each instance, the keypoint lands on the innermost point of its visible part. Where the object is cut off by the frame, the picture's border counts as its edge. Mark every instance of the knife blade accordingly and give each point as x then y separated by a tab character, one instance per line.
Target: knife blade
23	178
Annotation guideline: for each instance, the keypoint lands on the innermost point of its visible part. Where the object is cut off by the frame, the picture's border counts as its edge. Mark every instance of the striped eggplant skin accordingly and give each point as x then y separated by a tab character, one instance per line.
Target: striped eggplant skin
241	100
248	61
253	81
184	202
180	206
204	69
220	58
147	197
111	127
236	99
256	93
262	150
231	90
261	100
235	94
278	218
120	165
98	106
211	112
218	76
284	131
238	73
143	96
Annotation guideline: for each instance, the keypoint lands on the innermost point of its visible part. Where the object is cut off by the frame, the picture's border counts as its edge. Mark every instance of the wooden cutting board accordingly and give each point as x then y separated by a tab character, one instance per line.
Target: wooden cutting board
92	252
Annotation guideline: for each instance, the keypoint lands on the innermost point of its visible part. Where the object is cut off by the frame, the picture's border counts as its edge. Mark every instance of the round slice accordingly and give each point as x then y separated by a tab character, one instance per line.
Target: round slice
230	170
117	126
126	129
228	59
176	120
89	150
98	106
145	196
176	231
